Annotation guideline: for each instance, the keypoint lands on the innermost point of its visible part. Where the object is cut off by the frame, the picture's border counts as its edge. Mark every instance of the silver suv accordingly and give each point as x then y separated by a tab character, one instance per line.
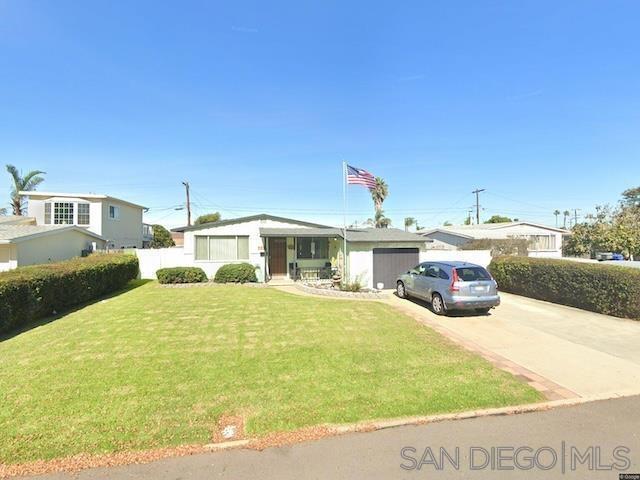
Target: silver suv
450	286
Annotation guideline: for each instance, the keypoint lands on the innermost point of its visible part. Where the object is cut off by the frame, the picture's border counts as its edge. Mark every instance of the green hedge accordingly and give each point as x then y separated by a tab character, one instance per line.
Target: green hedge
181	275
236	273
613	290
29	293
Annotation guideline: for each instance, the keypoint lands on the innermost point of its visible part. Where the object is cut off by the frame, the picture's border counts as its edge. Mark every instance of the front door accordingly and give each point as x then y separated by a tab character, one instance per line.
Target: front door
278	257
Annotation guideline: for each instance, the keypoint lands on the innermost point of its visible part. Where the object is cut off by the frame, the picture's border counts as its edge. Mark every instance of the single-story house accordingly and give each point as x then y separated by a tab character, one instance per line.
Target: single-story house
544	241
22	244
284	248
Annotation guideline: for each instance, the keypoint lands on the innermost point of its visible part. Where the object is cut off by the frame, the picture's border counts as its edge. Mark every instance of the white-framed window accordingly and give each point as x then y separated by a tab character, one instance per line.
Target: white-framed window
221	248
114	212
84	217
542	242
63	213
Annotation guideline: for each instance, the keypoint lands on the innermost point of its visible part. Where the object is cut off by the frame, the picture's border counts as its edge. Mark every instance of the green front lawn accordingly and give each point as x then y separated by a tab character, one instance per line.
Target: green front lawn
157	366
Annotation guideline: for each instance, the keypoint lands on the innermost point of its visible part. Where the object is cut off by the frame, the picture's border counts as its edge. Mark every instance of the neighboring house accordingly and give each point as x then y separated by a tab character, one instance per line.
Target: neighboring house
22	245
284	248
118	221
544	241
178	238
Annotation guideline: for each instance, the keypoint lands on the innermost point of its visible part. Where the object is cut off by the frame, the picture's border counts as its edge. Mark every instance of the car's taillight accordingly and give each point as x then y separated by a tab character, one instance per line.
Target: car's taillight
454	279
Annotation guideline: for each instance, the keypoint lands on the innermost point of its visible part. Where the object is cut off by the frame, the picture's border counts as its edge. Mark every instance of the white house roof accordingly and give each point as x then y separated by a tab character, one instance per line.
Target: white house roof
95	196
489	230
19	233
250	218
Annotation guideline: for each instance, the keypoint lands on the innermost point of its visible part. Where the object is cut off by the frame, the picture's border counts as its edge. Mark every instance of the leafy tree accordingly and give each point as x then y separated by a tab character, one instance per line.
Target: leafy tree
631	197
379	193
447	224
607	231
27	183
161	237
408	222
467	221
208	218
3	211
498	219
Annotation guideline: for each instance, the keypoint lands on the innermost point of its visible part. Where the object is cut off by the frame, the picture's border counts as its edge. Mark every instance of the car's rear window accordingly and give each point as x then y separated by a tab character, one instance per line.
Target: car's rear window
472	274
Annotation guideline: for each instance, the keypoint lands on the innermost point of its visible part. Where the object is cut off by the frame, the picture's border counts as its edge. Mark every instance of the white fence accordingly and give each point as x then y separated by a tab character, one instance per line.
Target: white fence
153	259
479	257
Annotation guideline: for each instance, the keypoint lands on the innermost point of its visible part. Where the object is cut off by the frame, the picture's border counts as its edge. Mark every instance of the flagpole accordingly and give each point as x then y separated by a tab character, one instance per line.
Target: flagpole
344	232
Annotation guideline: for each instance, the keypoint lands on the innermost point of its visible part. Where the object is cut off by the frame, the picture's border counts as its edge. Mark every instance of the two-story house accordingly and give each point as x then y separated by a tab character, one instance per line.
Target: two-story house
117	221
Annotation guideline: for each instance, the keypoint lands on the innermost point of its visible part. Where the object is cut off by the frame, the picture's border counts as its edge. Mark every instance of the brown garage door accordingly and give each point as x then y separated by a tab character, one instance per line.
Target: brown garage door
388	263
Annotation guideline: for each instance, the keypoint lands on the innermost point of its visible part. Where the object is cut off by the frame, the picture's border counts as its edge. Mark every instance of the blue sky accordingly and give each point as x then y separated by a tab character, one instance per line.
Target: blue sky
258	103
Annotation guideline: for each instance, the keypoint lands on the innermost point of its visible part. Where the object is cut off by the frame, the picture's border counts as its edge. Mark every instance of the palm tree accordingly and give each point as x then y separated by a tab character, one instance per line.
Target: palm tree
556	213
27	183
566	214
379	193
381	220
408	222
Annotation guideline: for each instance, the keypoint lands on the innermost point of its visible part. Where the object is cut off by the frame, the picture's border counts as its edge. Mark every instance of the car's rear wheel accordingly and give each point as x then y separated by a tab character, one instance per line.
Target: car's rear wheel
400	290
438	304
483	311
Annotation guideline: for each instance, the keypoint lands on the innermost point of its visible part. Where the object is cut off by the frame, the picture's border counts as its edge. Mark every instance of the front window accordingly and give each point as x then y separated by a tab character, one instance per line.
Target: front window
63	213
542	242
83	214
221	248
313	247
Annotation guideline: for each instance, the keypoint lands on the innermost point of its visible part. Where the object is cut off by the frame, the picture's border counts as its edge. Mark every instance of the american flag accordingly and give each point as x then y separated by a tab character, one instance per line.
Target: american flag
358	176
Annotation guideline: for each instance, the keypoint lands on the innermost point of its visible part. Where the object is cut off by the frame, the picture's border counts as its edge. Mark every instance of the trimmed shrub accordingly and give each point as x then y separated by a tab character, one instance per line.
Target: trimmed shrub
29	293
236	273
181	275
608	289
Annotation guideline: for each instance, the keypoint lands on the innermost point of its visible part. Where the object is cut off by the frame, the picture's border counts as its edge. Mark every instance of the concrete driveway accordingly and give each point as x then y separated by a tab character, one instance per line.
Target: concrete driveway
585	352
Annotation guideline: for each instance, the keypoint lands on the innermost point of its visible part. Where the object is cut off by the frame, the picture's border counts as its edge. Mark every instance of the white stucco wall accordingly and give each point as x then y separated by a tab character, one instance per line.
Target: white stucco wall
54	247
8	257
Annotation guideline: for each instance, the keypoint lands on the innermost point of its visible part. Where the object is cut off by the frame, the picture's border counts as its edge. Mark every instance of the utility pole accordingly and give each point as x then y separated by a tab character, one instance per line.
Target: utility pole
575	216
469	212
186	186
477	192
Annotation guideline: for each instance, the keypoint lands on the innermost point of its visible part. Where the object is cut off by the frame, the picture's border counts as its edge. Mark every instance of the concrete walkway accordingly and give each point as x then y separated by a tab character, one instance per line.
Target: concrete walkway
607	424
584	352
